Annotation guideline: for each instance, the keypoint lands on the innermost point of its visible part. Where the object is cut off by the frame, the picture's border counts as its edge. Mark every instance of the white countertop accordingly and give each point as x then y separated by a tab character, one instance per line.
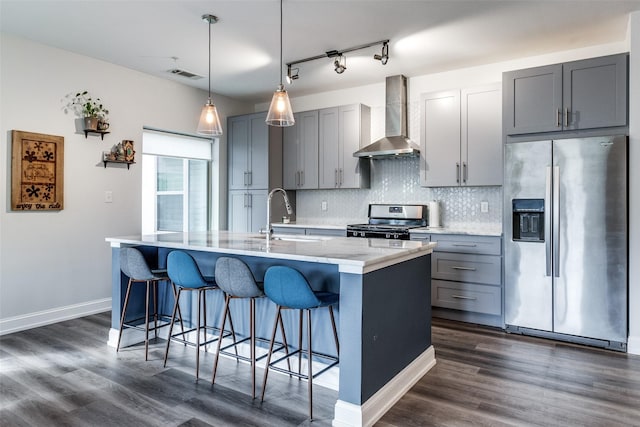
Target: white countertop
351	255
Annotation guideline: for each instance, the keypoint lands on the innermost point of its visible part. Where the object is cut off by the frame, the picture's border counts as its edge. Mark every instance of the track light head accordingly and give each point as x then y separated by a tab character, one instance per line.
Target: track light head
292	74
384	56
340	64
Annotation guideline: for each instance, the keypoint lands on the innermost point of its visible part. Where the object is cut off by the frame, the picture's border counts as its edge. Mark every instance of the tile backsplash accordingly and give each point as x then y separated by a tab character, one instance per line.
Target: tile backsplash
398	181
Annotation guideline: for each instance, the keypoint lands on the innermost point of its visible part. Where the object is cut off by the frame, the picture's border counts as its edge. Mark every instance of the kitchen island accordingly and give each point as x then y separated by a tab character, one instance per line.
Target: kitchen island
384	308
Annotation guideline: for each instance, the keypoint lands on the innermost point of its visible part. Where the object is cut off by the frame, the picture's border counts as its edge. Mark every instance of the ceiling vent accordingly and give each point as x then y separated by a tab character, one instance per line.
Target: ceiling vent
184	73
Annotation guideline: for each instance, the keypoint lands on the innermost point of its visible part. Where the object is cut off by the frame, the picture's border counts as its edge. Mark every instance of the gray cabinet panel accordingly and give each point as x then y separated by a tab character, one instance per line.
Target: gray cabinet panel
440	128
328	146
466	297
248	152
578	95
532	100
466	267
341	132
300	152
238	147
595	92
481	139
461	135
484	245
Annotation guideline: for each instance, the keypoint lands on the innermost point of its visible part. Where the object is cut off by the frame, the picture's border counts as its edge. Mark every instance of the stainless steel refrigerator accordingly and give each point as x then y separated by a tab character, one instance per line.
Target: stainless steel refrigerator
566	239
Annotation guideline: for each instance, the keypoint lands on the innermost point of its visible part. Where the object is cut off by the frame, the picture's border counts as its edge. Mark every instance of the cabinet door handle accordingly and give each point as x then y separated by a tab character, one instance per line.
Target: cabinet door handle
466	245
464	172
341	176
297	178
301	178
558	115
464	297
335	178
245	178
249	200
458	172
464	268
250	177
566	117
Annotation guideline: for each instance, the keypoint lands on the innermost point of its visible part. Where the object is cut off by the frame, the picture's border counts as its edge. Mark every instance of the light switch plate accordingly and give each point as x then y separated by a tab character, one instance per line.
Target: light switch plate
108	196
484	207
323	205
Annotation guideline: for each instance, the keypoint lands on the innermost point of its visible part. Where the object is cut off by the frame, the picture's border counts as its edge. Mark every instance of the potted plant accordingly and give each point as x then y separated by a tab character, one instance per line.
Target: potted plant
91	109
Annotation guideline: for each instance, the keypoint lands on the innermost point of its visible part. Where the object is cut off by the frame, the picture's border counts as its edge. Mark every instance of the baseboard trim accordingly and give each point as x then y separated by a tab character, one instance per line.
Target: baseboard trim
348	414
54	315
633	345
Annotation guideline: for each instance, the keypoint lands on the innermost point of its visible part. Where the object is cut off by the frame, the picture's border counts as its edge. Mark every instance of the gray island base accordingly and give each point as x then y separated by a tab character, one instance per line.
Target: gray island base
384	311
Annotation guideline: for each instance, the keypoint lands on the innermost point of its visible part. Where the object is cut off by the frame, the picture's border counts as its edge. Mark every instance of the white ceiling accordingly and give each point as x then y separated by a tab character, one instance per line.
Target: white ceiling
426	36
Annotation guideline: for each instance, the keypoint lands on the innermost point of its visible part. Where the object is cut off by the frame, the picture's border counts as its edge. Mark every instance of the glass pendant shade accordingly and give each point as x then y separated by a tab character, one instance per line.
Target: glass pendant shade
209	123
280	112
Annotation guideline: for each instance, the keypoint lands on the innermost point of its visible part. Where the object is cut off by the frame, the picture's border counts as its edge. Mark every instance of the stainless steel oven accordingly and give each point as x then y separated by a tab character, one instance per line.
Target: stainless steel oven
388	221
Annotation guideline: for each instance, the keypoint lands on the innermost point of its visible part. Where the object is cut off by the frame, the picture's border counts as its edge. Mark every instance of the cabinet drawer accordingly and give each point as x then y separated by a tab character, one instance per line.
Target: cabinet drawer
486	245
466	296
466	268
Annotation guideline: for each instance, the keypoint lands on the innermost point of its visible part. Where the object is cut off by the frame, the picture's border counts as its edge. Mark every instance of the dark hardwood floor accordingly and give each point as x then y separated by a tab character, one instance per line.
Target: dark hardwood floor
65	374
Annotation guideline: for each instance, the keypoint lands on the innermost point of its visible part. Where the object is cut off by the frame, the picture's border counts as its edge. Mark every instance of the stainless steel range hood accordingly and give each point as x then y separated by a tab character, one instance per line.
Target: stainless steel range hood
395	143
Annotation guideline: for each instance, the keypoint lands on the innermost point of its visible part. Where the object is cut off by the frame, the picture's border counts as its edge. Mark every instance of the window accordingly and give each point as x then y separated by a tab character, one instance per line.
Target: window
176	193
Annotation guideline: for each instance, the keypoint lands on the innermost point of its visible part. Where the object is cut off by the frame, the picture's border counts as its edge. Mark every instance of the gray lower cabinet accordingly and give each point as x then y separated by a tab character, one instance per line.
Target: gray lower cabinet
466	276
585	94
461	134
342	131
300	153
247	210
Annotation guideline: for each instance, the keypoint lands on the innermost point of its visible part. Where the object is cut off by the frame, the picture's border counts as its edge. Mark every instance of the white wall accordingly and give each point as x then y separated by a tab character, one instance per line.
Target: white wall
634	185
56	264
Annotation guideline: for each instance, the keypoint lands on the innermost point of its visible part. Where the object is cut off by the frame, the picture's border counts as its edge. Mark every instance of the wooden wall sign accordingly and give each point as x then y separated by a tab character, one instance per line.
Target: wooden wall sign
37	171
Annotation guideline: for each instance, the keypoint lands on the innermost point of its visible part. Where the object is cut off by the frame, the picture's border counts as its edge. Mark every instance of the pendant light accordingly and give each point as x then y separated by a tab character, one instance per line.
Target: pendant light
209	121
280	112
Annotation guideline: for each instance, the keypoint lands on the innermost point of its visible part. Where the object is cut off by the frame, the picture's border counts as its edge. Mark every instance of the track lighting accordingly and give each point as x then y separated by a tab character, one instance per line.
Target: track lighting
339	60
340	64
384	57
292	74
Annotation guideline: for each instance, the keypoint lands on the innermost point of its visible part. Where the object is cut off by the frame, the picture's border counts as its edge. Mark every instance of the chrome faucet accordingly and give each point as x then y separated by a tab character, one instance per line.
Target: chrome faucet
269	231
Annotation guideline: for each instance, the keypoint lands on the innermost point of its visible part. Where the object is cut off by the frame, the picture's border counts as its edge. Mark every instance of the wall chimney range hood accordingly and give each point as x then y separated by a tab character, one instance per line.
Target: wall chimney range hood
395	143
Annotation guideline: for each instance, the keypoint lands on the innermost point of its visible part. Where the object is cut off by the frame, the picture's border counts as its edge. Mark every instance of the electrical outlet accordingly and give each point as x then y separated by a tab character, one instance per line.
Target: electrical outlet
108	196
323	205
484	207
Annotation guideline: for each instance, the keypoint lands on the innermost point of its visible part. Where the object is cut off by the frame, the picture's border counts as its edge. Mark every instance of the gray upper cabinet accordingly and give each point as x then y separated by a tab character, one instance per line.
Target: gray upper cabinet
342	131
248	149
461	137
576	95
300	152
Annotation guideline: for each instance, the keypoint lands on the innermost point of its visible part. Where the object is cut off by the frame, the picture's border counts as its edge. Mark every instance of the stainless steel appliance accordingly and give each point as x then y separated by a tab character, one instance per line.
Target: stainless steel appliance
565	230
390	221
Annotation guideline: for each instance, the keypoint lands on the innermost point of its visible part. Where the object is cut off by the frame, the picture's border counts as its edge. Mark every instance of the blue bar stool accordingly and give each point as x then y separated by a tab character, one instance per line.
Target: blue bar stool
234	277
134	266
185	274
289	289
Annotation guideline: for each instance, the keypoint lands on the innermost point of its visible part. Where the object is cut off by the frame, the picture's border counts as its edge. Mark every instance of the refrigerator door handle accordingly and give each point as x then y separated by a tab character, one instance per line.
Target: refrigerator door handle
547	219
556	221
